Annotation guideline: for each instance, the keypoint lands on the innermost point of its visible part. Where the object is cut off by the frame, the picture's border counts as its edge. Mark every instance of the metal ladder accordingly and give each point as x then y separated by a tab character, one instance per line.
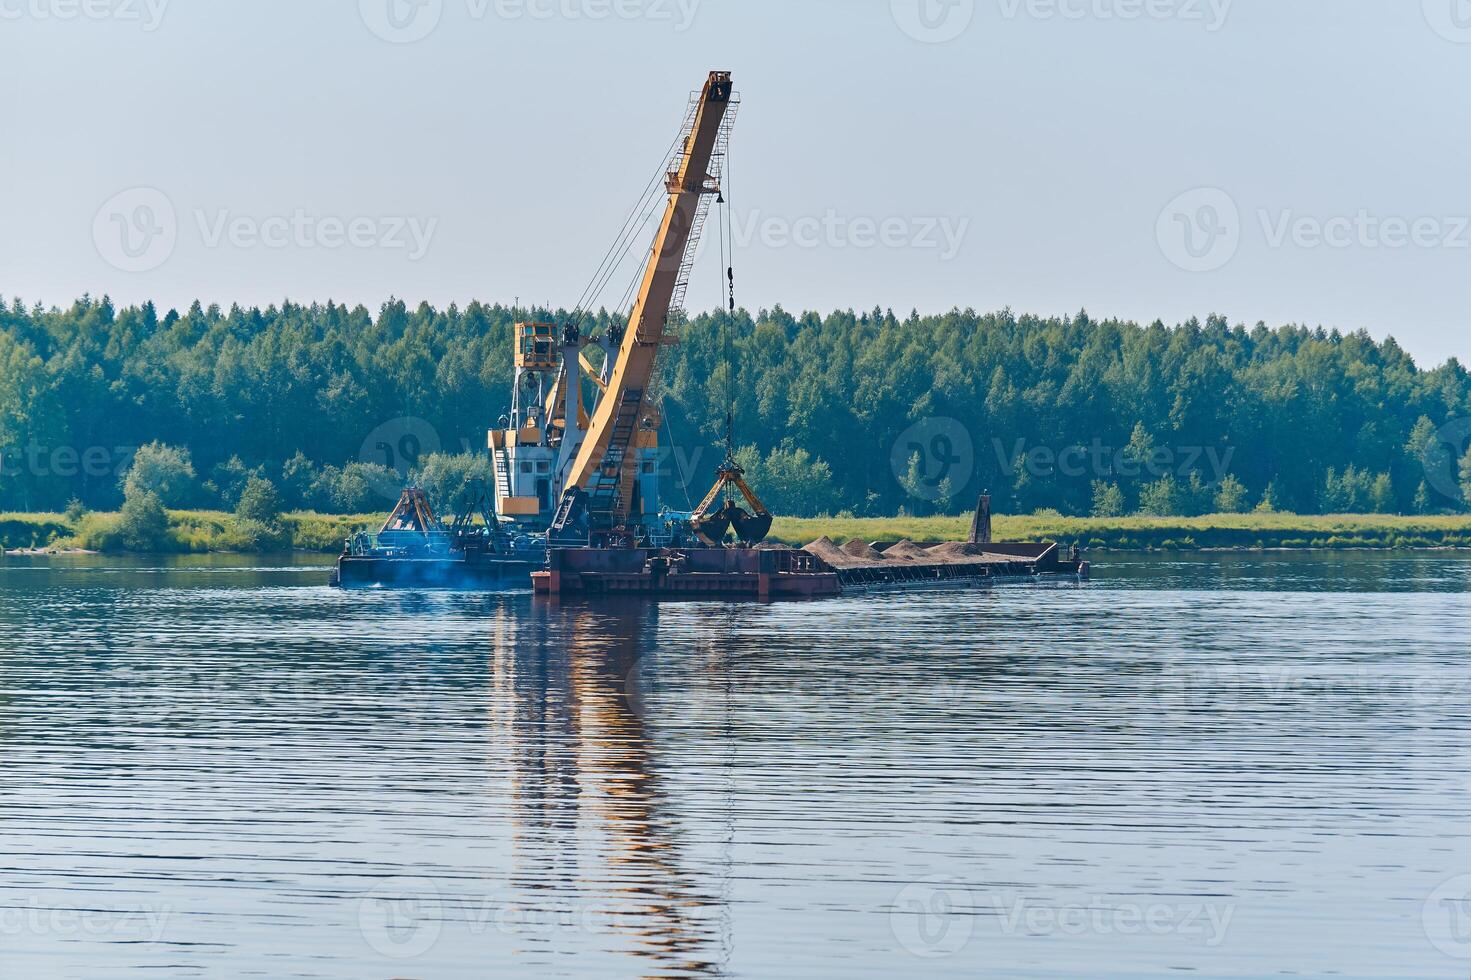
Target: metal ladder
702	211
502	460
605	495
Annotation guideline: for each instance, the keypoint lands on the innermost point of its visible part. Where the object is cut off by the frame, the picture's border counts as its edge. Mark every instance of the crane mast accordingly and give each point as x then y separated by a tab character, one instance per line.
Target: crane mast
605	472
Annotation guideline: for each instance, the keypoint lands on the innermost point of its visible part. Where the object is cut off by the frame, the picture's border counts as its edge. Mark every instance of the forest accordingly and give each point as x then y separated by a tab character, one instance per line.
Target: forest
853	413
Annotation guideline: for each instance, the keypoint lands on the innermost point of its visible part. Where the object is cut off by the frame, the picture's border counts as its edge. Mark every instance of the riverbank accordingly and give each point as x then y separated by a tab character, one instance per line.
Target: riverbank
189	532
201	532
1215	532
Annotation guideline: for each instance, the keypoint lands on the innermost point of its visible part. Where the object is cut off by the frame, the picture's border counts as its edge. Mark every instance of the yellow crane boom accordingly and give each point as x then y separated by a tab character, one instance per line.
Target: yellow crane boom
606	465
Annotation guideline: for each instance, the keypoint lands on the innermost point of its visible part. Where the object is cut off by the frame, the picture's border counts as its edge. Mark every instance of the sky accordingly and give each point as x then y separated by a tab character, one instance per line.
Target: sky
1285	161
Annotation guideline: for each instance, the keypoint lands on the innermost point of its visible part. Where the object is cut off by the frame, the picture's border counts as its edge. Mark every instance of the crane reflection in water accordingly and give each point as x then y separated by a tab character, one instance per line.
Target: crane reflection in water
597	842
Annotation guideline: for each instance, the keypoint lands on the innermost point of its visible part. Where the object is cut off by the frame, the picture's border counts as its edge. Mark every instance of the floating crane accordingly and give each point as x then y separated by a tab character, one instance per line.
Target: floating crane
576	492
580	476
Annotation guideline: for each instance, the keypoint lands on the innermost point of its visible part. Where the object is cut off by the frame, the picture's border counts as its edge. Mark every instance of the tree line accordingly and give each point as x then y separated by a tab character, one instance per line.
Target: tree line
859	412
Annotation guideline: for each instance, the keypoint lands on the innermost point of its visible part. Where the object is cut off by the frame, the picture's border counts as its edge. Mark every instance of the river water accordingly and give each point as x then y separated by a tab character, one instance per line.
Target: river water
1218	766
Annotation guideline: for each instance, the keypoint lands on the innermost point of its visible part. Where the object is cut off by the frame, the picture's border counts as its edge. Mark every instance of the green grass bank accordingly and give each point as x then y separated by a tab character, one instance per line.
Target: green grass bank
195	532
1216	532
189	532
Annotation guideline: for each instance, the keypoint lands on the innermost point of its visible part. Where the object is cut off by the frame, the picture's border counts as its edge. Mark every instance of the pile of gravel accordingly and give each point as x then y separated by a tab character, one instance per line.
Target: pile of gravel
905	550
862	550
825	549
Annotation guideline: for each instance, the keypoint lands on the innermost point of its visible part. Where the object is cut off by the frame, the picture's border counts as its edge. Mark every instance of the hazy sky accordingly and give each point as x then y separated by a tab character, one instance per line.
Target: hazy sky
1279	160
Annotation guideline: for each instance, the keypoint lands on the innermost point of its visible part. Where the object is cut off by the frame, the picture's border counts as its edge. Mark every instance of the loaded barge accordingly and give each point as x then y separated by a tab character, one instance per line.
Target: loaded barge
575	461
821	570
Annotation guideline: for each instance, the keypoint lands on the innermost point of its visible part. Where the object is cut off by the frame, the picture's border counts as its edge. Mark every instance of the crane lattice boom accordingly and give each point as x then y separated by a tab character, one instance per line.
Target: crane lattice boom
606	465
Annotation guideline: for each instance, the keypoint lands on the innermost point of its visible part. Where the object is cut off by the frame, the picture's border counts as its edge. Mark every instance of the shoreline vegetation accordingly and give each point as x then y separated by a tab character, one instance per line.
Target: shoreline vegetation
1072	414
187	532
201	532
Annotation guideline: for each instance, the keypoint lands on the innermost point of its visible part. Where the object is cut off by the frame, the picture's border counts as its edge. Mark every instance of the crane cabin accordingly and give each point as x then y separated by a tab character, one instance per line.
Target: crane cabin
533	448
578	455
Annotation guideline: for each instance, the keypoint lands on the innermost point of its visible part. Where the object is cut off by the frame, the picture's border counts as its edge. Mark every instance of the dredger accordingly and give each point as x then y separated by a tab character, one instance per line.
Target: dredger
576	460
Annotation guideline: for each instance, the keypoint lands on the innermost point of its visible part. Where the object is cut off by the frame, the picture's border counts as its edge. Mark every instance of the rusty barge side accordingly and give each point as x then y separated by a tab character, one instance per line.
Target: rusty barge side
724	573
1000	564
766	575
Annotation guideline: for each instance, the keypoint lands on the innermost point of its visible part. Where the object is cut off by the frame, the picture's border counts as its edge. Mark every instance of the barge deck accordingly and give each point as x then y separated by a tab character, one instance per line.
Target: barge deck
768	574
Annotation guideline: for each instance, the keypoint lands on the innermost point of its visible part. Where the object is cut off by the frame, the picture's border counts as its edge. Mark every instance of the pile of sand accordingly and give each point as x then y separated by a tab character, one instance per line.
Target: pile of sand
825	549
862	550
956	549
905	550
957	553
